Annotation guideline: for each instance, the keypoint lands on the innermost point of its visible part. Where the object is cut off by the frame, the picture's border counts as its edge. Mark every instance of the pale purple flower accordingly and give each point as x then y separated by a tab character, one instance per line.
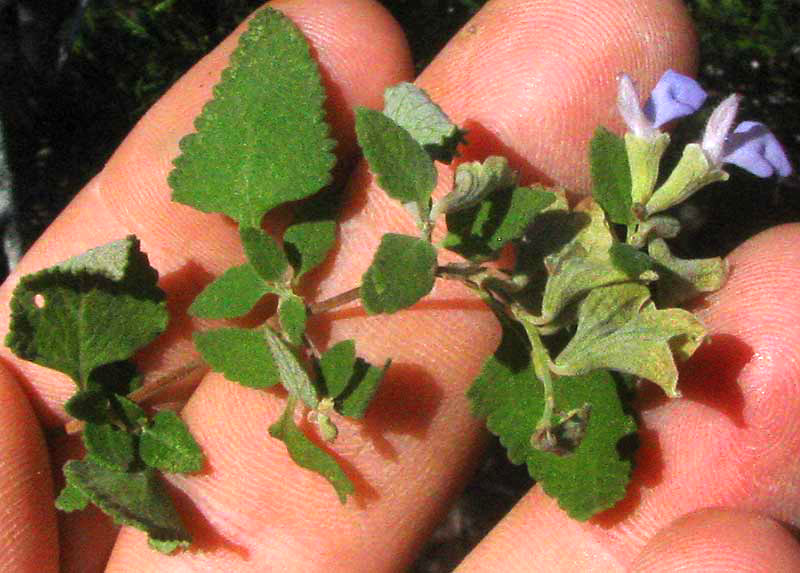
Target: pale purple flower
674	96
750	145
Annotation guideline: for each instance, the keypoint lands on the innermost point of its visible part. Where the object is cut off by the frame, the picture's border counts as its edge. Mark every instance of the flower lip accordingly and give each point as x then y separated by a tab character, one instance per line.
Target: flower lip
753	147
750	145
674	96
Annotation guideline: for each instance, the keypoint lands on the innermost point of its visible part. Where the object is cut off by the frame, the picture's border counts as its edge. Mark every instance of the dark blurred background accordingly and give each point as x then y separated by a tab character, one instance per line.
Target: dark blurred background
75	75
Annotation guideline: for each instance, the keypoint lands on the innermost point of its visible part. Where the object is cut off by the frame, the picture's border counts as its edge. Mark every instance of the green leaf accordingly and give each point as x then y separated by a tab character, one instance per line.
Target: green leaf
71	499
89	405
475	180
413	110
232	294
362	387
307	244
262	140
337	365
592	478
633	262
264	254
611	176
131	498
685	279
404	169
293	375
240	354
109	446
481	230
168	446
402	272
307	454
619	330
351	381
120	377
292	316
129	412
89	311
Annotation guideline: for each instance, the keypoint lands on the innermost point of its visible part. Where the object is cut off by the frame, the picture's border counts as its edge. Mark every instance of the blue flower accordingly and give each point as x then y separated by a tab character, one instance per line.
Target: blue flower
674	96
750	145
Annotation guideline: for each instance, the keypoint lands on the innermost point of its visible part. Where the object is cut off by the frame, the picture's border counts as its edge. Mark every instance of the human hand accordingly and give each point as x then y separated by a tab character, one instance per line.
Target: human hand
531	80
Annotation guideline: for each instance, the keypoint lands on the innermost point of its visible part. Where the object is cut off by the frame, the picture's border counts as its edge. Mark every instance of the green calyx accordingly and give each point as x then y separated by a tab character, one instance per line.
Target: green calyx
644	157
692	173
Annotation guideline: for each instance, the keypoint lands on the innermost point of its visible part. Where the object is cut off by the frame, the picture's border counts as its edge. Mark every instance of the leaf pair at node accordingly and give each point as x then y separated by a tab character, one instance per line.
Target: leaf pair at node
86	317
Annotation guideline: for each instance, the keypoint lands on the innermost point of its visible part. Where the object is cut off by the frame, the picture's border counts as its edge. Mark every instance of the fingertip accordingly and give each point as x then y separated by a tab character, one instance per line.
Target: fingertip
723	540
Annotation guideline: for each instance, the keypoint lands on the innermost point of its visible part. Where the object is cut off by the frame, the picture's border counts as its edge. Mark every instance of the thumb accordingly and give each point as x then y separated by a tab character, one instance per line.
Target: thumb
719	539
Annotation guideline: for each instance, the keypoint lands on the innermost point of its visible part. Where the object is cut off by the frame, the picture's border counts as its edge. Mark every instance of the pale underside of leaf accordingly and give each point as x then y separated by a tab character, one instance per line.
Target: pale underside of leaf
131	498
412	109
617	330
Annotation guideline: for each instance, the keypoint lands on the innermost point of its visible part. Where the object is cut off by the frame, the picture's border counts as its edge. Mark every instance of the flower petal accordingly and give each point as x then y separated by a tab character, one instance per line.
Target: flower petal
674	96
753	147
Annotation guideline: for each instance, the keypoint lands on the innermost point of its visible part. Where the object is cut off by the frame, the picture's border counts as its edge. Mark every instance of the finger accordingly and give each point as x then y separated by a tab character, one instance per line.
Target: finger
131	195
720	540
731	441
29	536
417	444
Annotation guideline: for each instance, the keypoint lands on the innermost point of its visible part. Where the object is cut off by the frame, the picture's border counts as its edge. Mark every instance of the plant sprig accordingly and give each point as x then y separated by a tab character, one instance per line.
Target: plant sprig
591	294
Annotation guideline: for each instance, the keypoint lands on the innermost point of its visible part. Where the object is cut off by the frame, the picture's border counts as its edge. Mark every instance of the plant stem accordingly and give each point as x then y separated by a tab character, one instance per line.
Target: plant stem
541	366
335	301
192	370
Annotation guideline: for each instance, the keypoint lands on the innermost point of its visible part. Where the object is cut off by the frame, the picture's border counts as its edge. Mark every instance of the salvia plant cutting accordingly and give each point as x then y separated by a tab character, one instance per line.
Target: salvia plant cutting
588	307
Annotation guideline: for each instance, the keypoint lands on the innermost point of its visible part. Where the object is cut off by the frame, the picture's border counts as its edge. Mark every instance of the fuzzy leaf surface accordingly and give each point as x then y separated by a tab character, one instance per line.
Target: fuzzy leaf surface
240	354
109	446
611	175
293	374
475	180
307	454
412	109
89	406
403	271
71	499
362	387
292	315
307	244
131	498
234	293
507	393
337	365
262	140
574	277
483	229
684	279
618	329
167	445
404	169
264	254
92	310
